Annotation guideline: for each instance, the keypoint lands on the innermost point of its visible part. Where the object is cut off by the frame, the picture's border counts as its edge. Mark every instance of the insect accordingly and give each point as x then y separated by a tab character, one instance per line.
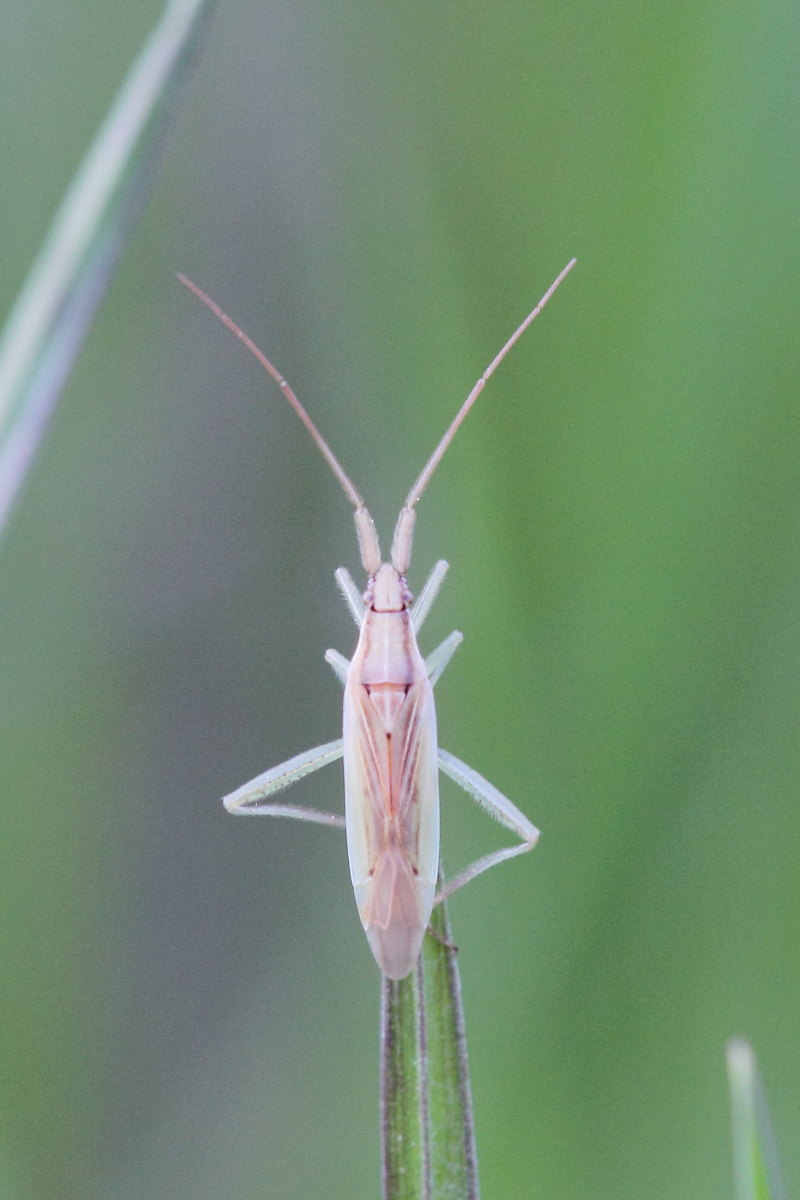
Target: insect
389	743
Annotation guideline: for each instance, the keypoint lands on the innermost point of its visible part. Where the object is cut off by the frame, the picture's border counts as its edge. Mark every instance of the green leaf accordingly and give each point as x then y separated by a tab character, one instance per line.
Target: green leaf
68	280
755	1162
426	1104
404	1124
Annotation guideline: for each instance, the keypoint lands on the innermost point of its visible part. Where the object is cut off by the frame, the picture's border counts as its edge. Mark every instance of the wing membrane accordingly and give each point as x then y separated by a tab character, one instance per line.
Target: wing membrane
392	817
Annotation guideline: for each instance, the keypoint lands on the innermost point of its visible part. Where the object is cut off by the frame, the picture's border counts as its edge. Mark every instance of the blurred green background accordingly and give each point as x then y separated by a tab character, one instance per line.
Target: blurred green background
379	193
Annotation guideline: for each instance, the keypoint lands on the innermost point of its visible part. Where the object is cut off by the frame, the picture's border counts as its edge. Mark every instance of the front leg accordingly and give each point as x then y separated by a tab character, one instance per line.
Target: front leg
430	589
352	595
438	659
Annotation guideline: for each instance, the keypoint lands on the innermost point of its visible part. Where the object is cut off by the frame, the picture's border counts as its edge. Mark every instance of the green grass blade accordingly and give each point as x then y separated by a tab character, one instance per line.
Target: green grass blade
454	1168
755	1161
426	1106
405	1143
66	284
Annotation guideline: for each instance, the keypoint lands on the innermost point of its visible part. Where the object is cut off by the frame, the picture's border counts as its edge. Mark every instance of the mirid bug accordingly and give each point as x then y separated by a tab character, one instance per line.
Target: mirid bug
389	743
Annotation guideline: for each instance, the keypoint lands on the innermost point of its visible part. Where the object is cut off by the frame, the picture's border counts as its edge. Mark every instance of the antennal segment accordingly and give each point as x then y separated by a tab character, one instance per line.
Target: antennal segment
365	528
404	529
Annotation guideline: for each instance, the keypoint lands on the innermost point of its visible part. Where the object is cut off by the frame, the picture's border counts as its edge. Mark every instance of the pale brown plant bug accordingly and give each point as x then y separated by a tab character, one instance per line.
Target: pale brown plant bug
389	743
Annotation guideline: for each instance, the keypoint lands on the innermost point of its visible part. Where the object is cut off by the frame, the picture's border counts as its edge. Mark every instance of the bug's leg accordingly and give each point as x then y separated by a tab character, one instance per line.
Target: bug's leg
438	659
338	663
437	937
247	799
422	605
352	595
498	806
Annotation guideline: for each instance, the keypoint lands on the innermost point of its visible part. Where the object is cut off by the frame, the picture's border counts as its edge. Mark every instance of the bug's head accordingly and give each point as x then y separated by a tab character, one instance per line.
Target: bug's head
387	590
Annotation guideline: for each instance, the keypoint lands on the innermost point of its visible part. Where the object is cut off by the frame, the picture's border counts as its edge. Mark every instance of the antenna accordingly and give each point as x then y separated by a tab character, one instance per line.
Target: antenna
365	528
404	529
